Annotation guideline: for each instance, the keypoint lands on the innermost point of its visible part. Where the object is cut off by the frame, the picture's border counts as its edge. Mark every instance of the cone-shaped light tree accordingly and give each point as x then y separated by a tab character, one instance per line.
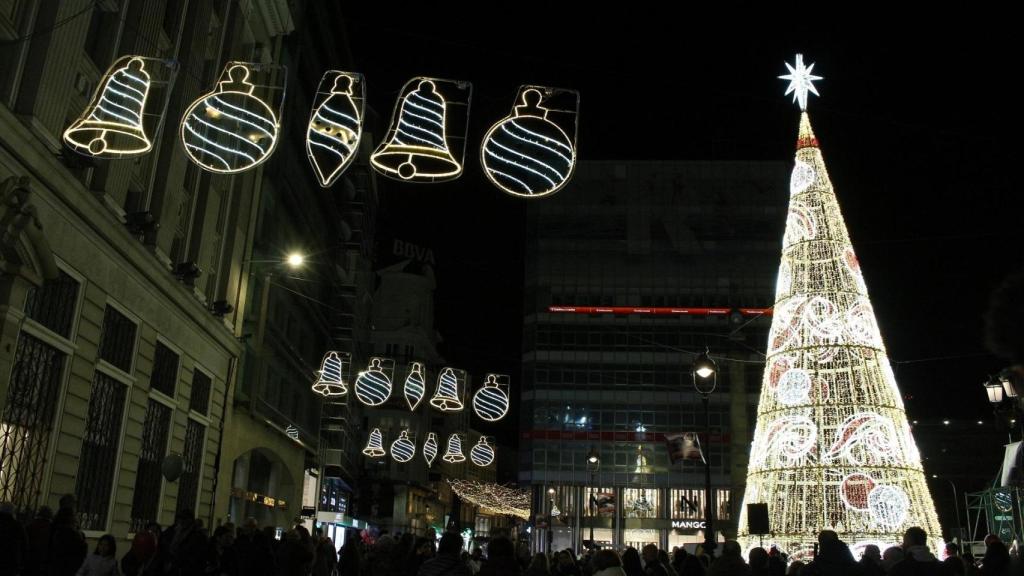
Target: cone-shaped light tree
832	448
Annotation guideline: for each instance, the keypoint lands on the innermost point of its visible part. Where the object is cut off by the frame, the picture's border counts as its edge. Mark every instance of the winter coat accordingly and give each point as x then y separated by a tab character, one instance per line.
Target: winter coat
96	565
444	565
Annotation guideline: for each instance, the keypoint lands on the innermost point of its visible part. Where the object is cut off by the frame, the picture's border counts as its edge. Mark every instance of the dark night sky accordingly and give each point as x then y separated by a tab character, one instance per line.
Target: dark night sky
915	127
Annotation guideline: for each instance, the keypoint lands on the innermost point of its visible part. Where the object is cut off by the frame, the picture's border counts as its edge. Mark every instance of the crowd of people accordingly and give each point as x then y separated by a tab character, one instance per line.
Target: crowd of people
52	545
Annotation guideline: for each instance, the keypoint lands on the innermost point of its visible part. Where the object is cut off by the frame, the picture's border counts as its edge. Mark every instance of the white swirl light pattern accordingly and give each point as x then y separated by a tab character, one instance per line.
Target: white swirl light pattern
230	130
430	448
482	454
403	449
490	402
526	154
832	448
415	387
335	125
373	386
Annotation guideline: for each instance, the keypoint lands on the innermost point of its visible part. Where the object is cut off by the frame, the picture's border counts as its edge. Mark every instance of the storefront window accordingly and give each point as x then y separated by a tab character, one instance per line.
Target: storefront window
600	501
641	502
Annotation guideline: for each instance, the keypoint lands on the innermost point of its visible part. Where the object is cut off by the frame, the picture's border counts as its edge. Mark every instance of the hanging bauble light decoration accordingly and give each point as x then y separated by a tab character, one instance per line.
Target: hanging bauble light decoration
335	124
403	449
374	444
491	401
331	379
482	454
415	387
230	129
446	397
430	448
526	154
373	385
454	452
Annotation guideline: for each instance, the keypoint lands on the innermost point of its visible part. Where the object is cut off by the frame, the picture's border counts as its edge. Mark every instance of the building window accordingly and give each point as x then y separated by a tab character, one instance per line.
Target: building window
53	304
117	342
188	484
146	498
27	420
687	504
165	370
641	502
98	461
199	400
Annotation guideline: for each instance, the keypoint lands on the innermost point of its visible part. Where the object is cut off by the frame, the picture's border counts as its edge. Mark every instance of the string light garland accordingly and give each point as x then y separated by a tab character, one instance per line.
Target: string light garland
415	386
230	130
418	147
493	498
527	154
373	385
331	379
491	401
832	448
335	124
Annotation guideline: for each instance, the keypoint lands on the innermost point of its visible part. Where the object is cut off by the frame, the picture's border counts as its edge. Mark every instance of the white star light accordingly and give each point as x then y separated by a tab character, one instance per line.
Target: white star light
800	81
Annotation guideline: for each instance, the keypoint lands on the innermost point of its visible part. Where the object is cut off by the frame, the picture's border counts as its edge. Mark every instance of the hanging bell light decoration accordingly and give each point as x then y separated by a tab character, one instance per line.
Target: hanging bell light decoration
454	453
415	387
373	385
528	154
335	124
331	379
419	144
446	397
430	448
374	444
113	126
482	454
491	401
231	129
403	449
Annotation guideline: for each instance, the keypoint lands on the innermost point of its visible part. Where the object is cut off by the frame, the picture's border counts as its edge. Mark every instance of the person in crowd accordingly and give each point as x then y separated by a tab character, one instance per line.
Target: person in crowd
38	534
996	561
350	561
182	546
447	561
501	559
631	562
833	558
758	561
220	556
890	557
142	552
730	563
103	561
795	568
67	549
253	551
423	550
917	558
871	561
13	542
607	563
970	565
538	566
664	560
953	562
652	563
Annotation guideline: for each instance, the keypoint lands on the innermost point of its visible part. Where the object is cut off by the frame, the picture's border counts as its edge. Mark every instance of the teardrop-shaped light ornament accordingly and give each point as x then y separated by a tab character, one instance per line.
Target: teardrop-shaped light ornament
430	448
374	444
415	387
373	385
491	401
403	449
482	453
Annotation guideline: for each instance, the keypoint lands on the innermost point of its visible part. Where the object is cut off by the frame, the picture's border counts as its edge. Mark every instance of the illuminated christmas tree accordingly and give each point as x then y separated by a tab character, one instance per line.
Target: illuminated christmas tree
832	448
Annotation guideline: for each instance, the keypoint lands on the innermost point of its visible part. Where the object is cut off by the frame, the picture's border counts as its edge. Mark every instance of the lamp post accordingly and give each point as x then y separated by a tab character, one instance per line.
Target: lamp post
551	519
593	465
705	377
956	508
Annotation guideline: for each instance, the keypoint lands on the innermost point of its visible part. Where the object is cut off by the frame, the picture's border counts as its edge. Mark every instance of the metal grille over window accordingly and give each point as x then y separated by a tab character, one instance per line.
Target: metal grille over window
200	398
53	304
165	370
27	420
192	459
117	344
99	452
146	498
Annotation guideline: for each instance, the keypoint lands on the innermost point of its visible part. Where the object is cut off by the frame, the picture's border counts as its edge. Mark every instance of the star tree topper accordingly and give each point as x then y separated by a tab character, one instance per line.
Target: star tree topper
800	81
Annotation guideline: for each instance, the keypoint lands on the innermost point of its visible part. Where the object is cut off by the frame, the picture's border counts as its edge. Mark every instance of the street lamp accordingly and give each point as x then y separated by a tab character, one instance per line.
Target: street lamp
593	465
995	390
956	508
705	377
296	259
551	519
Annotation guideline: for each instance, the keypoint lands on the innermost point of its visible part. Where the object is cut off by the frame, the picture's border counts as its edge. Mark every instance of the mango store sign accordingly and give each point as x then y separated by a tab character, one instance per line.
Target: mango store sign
689	524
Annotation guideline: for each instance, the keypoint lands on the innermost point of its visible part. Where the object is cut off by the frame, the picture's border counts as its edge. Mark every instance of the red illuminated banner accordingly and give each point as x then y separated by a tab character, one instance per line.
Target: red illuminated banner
659	310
